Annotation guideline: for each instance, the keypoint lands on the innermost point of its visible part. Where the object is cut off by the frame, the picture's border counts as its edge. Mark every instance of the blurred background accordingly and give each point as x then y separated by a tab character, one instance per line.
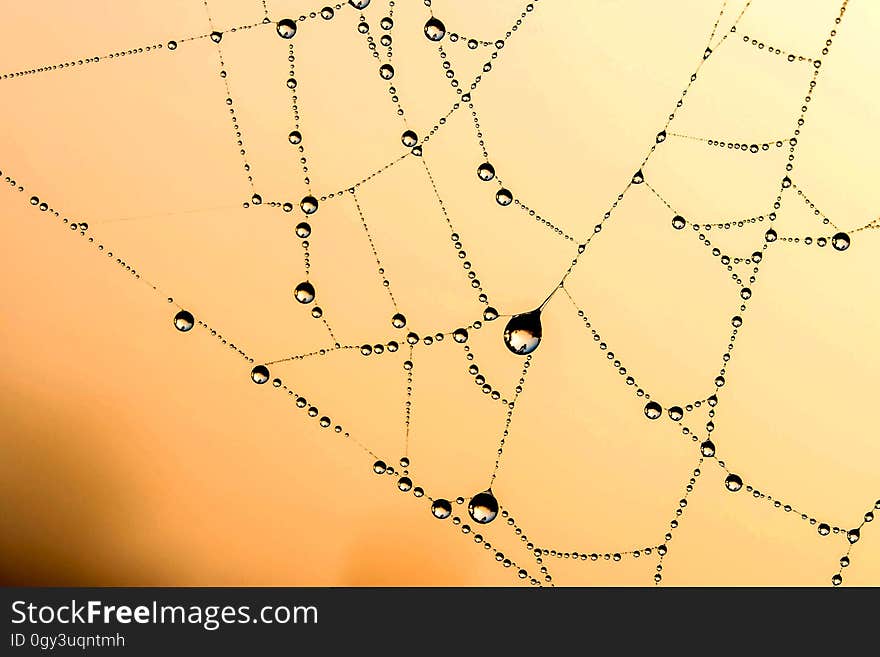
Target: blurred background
133	454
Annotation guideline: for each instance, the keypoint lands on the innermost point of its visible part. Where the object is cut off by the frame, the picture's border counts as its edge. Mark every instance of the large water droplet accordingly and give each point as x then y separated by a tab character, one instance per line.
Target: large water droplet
676	413
733	482
309	205
522	335
184	321
398	320
359	4
485	171
504	197
260	374
304	292
483	507
295	137
678	222
653	410
409	139
286	28
638	178
435	30
216	37
386	71
441	509
303	230
840	241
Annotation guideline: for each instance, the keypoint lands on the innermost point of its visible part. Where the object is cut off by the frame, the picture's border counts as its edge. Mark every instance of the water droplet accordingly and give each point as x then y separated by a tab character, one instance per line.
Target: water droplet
409	139
745	293
386	71
504	197
733	482
295	137
359	4
678	222
653	410
490	314
172	45
304	292
441	509
770	235
638	178
522	335
460	335
398	320
840	241
485	171
661	136
317	313
836	579
327	13
260	374
435	30
786	182
675	413
309	205
286	28
404	484
291	83
823	529
216	37
707	448
853	535
386	23
184	321
303	230
483	507
379	467
256	199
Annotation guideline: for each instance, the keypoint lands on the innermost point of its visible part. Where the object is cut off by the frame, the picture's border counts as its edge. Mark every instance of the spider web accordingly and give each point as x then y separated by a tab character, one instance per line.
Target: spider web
409	227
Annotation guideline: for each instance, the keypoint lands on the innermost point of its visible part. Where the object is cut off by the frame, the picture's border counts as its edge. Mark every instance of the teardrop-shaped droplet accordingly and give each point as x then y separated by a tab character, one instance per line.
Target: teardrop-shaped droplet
184	321
286	28
483	507
840	241
522	335
256	199
638	178
770	235
707	448
216	37
661	137
304	292
260	374
441	509
435	30
786	182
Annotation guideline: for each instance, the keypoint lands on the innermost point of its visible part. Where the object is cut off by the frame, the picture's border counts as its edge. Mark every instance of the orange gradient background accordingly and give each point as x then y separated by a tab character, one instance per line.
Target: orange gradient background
133	454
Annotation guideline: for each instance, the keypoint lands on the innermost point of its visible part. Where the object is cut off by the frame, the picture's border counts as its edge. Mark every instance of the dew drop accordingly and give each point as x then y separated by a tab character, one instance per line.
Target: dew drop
398	320
678	222
483	507
359	4
184	321
327	13
504	197
409	139
490	314
309	205
823	529
256	199
379	467
770	235
303	230
840	241
386	71
638	178
460	335
286	28
661	136
707	448
485	171
216	37
836	579
404	484
172	45
653	410
853	535
304	292
260	374
435	30
522	335
676	413
733	482
441	509
295	137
